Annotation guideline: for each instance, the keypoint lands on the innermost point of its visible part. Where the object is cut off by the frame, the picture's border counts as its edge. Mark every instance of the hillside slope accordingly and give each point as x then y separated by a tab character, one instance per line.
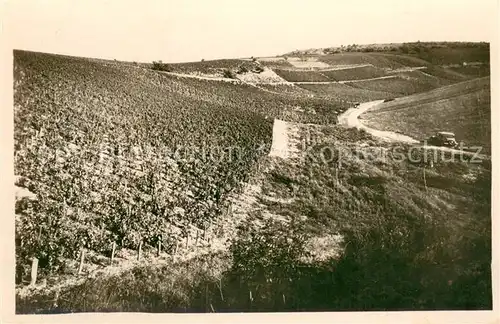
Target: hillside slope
463	108
119	153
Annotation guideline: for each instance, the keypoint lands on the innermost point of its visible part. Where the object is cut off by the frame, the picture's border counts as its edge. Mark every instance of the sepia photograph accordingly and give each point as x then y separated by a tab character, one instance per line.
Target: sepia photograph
251	156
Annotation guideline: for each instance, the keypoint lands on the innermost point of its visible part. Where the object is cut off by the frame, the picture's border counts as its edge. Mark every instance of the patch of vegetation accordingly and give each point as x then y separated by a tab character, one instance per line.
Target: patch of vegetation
338	91
301	76
113	152
160	66
407	246
463	108
227	73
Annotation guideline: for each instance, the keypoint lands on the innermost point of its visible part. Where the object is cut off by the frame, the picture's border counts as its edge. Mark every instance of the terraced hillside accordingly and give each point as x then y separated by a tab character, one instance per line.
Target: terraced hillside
463	108
119	153
338	91
394	73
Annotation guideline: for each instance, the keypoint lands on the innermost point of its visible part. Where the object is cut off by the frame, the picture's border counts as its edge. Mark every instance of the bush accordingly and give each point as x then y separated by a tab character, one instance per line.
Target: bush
160	66
227	73
258	69
242	69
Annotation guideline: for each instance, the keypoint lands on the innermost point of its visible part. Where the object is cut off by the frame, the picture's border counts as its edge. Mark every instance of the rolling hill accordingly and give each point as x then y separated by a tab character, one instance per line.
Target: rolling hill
463	108
103	130
172	169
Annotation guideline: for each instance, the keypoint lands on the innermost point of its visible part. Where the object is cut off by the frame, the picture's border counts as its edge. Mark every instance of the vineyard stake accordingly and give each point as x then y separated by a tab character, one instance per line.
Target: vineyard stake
82	260
139	252
34	271
113	252
220	289
175	250
425	180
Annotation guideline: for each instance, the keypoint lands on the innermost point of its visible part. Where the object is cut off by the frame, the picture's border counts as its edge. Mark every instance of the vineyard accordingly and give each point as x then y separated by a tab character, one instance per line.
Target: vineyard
402	85
337	91
301	76
116	153
365	72
211	67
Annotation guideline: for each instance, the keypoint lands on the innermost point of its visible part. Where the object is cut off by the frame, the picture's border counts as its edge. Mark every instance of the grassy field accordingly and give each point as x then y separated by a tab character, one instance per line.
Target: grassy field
473	71
401	85
463	108
449	55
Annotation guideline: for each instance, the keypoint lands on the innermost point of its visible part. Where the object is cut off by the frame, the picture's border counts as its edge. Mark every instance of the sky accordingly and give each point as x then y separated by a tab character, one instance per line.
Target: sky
189	30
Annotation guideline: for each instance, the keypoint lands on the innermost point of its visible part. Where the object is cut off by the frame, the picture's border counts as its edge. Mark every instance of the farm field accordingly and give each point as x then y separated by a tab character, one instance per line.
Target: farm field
473	71
338	91
401	85
210	67
366	72
463	108
301	76
377	60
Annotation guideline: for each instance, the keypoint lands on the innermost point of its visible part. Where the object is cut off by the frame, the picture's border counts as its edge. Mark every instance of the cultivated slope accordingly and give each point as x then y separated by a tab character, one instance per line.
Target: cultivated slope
119	153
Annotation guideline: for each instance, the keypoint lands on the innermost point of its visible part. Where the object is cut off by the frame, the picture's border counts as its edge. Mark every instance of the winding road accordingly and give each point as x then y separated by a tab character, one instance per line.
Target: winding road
350	118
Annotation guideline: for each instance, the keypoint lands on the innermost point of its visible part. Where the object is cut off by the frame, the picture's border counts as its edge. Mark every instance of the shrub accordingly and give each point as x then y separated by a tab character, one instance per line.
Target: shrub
227	73
242	69
160	66
258	69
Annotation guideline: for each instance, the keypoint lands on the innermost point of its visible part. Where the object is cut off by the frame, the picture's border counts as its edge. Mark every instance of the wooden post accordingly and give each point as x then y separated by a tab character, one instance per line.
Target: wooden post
159	248
220	289
197	237
139	252
284	299
175	250
425	181
34	271
187	240
82	260
205	231
113	252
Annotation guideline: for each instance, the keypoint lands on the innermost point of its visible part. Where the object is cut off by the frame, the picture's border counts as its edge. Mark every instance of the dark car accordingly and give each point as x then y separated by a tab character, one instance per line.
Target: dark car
443	139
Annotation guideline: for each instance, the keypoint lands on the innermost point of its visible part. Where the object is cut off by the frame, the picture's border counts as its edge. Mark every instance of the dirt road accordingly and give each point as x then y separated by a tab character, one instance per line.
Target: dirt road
284	140
350	118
